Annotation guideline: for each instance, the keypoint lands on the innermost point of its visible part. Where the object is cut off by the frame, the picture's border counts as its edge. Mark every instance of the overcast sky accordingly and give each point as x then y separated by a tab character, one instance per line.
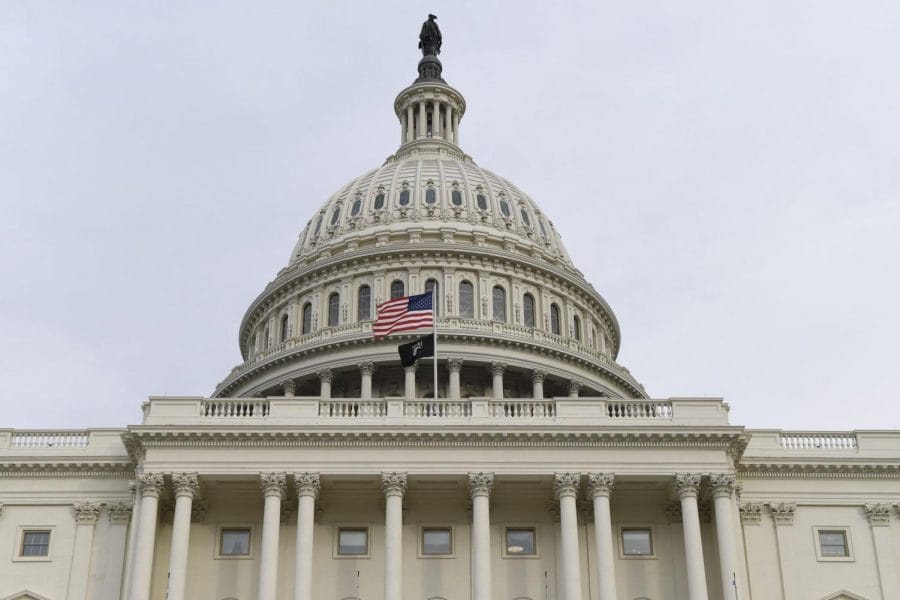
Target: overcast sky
726	174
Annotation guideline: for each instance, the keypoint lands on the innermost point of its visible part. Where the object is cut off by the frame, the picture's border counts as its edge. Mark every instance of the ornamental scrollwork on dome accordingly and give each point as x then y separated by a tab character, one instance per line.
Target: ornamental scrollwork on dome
687	484
393	484
481	484
566	484
273	484
308	484
601	484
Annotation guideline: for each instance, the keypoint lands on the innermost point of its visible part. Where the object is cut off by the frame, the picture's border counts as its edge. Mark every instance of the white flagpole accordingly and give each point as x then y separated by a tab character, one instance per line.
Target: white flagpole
434	329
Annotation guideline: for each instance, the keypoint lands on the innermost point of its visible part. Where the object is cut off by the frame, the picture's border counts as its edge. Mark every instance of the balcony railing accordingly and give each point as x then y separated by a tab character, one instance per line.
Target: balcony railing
813	440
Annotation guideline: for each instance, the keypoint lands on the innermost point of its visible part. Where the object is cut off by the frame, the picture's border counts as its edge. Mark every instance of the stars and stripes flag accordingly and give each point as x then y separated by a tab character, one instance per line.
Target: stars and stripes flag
403	314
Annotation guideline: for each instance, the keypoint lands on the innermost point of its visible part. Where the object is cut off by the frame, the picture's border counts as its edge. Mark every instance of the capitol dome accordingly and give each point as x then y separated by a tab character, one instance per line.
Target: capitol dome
514	316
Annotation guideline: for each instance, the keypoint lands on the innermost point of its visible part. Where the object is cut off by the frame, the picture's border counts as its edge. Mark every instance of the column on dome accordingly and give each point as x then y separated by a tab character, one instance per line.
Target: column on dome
497	369
537	384
273	487
366	370
436	119
410	124
289	387
423	123
448	127
86	515
722	490
480	486
565	485
574	388
600	486
456	127
151	485
688	487
185	487
394	486
409	387
454	366
326	376
307	492
402	127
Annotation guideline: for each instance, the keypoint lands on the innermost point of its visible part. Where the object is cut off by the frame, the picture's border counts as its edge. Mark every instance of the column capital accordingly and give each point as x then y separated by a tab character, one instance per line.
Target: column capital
308	484
412	368
454	364
687	484
366	367
751	513
119	512
878	514
574	387
566	484
722	484
601	484
152	484
481	484
783	512
326	375
273	484
497	368
538	376
393	484
87	513
185	484
289	387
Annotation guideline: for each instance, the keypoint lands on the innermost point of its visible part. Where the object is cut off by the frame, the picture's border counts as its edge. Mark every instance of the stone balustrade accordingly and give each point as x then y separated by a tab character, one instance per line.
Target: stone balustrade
629	409
818	440
522	409
234	408
49	439
98	444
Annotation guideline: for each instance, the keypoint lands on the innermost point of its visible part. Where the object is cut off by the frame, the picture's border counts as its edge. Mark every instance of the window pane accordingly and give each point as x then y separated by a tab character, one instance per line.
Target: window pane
436	541
554	319
432	286
36	543
285	328
576	326
318	227
504	208
364	310
333	309
520	541
404	197
335	216
430	196
636	542
397	290
528	309
481	201
833	543
466	300
353	541
307	318
235	542
379	201
456	197
499	298
525	218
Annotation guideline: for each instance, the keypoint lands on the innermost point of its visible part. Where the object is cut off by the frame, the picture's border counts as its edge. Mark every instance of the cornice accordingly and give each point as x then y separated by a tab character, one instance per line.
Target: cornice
68	470
870	470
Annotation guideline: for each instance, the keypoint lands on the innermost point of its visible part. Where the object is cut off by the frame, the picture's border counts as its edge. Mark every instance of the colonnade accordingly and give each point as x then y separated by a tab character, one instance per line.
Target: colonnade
444	121
480	485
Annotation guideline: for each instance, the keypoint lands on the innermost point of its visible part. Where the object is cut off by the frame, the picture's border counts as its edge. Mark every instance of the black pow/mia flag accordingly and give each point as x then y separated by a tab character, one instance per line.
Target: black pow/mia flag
413	351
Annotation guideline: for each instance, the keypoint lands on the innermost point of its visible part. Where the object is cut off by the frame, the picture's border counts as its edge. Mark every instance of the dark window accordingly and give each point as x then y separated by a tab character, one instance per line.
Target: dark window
234	542
307	318
437	540
379	201
267	337
520	541
353	541
481	201
36	543
498	296
334	302
364	302
285	327
833	543
318	227
397	289
576	327
335	215
504	208
432	286
543	229
357	206
466	299
525	218
528	310
430	196
404	197
456	197
637	542
554	319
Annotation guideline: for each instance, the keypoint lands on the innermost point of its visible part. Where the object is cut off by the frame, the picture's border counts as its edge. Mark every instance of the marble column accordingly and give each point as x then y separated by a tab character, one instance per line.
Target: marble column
326	376
409	387
537	384
152	485
688	487
480	486
565	485
783	515
116	549
600	486
879	517
273	487
394	486
454	366
289	387
366	370
402	128
185	487
307	493
410	124
456	127
448	127
722	485
131	544
574	388
436	119
86	515
423	122
497	369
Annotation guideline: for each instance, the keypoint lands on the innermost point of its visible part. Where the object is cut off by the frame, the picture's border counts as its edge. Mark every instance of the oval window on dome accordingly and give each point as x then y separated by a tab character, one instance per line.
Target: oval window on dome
404	198
456	197
504	208
379	201
481	201
430	196
335	215
525	218
357	206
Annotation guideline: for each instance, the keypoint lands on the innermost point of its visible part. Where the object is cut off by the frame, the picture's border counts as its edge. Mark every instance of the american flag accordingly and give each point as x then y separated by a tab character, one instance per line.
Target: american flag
403	314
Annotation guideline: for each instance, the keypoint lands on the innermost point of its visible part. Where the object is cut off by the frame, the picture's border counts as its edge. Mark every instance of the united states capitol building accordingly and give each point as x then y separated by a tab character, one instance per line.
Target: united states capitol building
540	469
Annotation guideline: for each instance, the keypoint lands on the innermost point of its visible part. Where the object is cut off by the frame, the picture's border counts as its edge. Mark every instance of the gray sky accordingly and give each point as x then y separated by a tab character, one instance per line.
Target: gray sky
726	174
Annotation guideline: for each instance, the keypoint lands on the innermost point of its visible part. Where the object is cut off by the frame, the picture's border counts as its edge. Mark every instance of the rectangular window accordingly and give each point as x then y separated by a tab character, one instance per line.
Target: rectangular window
637	542
520	541
35	543
234	542
833	543
437	541
353	541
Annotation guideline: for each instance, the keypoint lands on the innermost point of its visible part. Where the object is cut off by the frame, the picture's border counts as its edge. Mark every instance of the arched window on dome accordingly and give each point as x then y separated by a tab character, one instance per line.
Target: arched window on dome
481	202
576	327
335	215
498	295
364	303
397	289
528	310
554	319
379	202
456	198
466	300
285	328
306	322
431	285
267	339
334	308
318	227
356	207
404	198
525	218
430	196
504	208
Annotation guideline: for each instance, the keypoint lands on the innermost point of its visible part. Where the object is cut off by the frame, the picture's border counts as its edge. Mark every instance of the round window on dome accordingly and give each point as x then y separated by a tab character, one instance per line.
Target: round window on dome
525	218
456	197
379	201
357	206
335	215
481	201
430	196
504	208
404	198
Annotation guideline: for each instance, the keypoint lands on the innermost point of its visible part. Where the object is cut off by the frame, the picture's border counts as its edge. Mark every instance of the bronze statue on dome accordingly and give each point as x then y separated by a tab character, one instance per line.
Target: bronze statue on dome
430	37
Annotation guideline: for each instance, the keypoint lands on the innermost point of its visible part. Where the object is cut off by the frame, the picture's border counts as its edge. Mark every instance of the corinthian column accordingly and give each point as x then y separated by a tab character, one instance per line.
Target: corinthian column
307	492
454	365
688	486
722	489
394	485
366	369
409	388
537	384
497	369
86	516
600	486
326	376
480	486
151	489
273	487
185	486
566	487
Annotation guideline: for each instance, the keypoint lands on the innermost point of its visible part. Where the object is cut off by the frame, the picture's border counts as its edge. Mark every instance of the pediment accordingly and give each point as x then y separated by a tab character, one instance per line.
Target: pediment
844	595
25	595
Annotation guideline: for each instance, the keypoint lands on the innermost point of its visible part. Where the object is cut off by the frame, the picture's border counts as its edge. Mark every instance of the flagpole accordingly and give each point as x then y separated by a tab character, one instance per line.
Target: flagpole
434	330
